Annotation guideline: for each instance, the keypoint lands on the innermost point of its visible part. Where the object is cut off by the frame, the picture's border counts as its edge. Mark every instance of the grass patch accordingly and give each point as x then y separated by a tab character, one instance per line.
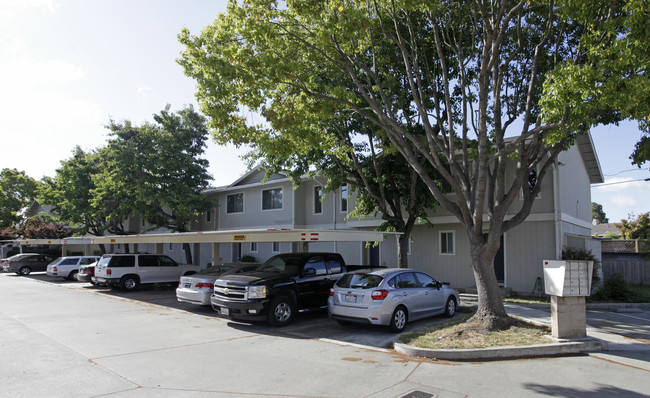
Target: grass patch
528	299
459	334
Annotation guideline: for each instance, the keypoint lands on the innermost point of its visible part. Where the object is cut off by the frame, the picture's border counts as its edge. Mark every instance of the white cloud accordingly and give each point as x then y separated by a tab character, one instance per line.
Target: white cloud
50	5
144	91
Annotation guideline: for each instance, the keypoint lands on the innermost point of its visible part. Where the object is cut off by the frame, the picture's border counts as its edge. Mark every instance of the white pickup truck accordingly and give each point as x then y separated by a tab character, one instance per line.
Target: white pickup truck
128	271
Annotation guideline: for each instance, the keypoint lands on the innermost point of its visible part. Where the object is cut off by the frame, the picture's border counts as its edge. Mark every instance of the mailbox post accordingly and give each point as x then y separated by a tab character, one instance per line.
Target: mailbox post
568	283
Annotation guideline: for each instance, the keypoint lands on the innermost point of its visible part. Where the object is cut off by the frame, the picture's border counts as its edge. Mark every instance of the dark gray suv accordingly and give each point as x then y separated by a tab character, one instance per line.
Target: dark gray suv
24	264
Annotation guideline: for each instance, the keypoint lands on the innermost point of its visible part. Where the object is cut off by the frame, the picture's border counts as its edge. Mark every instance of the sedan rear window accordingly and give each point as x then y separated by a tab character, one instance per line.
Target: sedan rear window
359	281
215	270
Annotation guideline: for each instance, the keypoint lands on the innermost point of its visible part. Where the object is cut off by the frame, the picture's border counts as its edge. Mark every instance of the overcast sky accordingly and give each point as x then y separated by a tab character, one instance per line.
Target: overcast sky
68	66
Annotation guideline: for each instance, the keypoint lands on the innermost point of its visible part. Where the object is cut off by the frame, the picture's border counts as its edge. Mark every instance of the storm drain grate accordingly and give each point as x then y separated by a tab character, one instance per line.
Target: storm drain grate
418	394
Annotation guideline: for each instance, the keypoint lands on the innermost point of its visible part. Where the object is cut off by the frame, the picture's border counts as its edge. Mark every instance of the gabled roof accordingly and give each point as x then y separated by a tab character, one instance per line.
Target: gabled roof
256	175
586	147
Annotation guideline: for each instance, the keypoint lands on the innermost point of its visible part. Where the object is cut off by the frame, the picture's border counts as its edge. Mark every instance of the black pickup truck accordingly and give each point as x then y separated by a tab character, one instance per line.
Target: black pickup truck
284	284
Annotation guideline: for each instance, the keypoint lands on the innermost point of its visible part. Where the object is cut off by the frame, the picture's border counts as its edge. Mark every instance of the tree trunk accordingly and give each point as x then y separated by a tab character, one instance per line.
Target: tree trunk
402	250
491	313
188	253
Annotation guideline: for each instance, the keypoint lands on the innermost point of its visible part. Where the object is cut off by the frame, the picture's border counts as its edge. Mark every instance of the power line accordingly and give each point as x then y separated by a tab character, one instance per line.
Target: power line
620	182
623	171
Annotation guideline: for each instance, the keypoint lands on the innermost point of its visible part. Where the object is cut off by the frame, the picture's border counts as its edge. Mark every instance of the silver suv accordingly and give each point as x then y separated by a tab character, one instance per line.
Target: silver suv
128	271
68	267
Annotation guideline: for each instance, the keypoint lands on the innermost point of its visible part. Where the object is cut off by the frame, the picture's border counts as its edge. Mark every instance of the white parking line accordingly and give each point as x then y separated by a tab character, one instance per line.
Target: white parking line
634	317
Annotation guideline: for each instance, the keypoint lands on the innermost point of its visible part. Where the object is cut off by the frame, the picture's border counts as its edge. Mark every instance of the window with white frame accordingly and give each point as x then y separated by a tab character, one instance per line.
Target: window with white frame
276	247
253	247
344	197
235	203
272	199
318	203
447	242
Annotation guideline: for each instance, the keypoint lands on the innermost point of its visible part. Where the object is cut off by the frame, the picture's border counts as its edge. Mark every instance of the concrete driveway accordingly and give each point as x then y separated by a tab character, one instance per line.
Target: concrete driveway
66	339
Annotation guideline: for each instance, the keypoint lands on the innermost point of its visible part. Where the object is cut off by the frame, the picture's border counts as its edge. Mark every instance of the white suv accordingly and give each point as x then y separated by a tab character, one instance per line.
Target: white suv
128	271
67	267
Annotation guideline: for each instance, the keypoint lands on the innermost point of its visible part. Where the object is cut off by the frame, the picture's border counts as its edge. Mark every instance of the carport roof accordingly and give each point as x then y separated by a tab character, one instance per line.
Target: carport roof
250	235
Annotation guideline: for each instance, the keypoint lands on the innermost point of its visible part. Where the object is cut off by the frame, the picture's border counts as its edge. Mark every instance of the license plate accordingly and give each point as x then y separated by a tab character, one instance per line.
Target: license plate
350	298
188	285
225	311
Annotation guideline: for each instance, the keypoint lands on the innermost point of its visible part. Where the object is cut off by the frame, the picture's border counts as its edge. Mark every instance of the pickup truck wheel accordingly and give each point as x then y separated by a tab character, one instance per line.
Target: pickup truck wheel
398	320
280	311
129	283
73	276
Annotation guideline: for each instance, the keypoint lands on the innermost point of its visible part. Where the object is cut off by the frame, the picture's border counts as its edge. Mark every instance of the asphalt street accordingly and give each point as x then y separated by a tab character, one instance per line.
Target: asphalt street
68	339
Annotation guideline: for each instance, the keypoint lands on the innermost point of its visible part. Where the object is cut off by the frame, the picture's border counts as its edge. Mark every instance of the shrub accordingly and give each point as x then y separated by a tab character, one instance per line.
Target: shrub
247	258
614	289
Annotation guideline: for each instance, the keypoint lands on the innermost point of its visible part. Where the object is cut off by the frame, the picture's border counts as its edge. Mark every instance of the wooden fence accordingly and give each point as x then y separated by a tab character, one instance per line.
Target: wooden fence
626	257
636	272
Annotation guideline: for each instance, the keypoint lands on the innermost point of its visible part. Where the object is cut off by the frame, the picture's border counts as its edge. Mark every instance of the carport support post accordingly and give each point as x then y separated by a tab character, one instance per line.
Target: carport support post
216	259
64	250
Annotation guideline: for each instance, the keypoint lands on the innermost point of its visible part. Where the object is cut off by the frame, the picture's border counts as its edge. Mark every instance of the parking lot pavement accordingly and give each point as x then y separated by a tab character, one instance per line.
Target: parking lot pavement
67	339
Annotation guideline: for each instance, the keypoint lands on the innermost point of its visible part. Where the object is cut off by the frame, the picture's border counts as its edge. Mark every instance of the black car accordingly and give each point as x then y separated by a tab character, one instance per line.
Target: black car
87	273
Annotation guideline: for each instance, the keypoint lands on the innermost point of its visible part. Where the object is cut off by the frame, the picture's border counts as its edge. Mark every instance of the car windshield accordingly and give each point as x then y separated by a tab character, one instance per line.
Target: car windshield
282	265
359	281
215	270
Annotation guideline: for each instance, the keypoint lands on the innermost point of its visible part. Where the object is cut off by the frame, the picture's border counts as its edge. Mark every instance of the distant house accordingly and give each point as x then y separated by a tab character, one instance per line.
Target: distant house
600	230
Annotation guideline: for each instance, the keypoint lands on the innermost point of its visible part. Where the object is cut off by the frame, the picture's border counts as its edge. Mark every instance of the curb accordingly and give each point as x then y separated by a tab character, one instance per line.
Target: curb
508	352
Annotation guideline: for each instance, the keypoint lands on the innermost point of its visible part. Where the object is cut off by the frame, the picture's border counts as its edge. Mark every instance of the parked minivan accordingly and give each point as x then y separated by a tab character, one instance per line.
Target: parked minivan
128	271
68	267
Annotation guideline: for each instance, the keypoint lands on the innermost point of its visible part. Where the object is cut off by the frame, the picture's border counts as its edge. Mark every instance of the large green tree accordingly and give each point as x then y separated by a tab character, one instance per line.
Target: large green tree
156	170
465	88
17	191
597	213
70	193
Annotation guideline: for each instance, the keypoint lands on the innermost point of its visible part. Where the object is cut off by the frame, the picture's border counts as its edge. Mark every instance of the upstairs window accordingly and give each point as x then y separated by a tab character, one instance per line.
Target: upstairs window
235	203
272	199
318	203
344	197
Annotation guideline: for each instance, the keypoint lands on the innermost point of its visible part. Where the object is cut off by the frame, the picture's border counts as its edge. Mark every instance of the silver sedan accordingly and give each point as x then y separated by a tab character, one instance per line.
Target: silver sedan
391	296
197	288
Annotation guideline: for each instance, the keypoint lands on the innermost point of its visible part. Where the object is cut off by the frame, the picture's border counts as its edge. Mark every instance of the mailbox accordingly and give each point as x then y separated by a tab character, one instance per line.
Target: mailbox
568	278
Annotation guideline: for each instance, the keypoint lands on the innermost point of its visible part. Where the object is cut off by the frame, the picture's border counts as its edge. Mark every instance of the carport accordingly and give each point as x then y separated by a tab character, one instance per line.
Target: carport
301	236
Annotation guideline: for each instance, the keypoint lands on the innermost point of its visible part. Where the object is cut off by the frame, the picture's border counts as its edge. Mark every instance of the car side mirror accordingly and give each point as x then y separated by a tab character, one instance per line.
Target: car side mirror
309	272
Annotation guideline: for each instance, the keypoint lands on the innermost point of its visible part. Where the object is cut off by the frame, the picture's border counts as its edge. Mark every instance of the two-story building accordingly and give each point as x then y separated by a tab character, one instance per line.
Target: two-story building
560	217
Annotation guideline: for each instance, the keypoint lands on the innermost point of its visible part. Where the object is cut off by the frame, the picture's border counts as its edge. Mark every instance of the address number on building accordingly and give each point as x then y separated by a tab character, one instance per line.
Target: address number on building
240	237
